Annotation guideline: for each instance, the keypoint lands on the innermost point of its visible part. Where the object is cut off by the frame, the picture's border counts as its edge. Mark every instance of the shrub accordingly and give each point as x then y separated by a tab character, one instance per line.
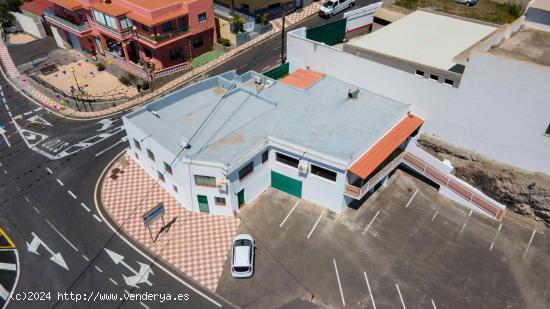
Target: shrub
100	66
239	23
514	9
264	19
409	4
225	42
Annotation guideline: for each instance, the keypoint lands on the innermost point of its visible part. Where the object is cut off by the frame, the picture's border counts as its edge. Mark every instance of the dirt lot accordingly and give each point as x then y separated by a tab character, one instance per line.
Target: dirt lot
395	251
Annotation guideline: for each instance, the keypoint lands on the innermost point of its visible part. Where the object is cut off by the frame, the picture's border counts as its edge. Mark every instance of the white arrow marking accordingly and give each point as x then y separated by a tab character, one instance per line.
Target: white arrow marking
139	277
39	120
56	257
31	137
105	124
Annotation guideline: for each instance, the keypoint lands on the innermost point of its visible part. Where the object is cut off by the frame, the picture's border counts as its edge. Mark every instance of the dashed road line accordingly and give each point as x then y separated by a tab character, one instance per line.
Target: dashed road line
71	194
315	225
400	296
36	209
98	269
113	281
26	199
59	182
495	239
49	170
126	291
436	211
144	305
466	222
370	223
339	284
62	236
85	207
5	172
370	292
85	258
97	218
529	244
292	210
433	304
411	199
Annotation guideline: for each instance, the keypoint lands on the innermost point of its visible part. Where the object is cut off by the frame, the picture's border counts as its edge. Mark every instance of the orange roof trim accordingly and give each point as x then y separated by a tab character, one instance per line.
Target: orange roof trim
112	9
303	79
68	4
159	19
367	163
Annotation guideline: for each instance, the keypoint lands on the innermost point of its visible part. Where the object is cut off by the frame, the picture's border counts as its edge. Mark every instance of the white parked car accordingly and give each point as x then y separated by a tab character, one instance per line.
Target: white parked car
333	7
467	2
242	256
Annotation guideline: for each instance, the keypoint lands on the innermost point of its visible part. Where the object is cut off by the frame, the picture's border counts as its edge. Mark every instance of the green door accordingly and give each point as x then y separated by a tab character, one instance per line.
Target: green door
286	184
240	198
203	203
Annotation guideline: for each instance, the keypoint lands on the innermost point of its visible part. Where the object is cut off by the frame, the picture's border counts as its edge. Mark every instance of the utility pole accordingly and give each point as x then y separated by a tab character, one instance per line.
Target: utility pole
283	54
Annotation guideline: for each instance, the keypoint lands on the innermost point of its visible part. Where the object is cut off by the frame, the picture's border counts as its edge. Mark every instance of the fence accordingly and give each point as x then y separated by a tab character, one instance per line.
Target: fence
330	34
278	72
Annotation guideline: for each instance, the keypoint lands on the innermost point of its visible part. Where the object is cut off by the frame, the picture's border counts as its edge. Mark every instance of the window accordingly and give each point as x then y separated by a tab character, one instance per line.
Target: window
420	73
205	181
137	144
547	133
197	42
265	156
220	201
202	17
175	53
287	160
167	26
105	19
168	168
323	172
175	188
449	82
161	176
148	52
145	27
246	170
125	23
150	154
181	23
434	77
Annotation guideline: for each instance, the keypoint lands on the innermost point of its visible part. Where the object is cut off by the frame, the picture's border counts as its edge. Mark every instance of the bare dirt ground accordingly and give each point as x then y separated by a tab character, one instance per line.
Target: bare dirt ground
20	38
524	192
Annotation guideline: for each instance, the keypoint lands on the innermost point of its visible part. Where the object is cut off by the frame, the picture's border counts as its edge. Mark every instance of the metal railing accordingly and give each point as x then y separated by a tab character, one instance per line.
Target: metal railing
122	35
49	14
171	70
136	68
159	37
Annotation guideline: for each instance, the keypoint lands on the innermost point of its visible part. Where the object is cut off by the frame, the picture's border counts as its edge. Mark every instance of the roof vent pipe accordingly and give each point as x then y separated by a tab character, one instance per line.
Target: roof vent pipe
353	93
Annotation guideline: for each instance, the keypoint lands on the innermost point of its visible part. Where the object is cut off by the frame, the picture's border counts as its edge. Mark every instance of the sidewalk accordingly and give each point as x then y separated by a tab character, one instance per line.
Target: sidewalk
57	105
196	244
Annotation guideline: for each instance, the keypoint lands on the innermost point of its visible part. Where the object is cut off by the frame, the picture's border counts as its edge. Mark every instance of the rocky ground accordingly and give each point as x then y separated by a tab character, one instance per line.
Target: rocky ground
524	192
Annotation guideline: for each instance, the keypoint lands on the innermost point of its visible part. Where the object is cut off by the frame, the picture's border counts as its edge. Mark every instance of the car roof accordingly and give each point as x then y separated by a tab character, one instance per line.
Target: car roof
241	256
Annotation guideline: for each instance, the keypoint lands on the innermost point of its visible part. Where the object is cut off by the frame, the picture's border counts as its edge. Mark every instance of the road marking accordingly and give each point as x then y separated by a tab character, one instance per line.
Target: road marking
85	207
267	67
436	211
49	170
4	293
85	258
371	221
11	244
36	209
108	148
27	199
97	218
494	239
465	222
5	172
315	225
433	304
339	284
18	189
411	199
59	182
113	281
400	296
296	204
529	244
8	266
0	163
126	291
36	242
9	113
98	269
370	292
62	236
144	305
71	194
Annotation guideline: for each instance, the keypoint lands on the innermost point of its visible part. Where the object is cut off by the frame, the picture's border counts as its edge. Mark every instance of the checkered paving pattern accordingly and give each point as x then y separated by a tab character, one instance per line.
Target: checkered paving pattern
8	62
197	244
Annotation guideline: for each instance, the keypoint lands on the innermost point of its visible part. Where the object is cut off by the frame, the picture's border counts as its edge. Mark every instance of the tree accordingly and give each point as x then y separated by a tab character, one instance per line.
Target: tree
6	7
239	23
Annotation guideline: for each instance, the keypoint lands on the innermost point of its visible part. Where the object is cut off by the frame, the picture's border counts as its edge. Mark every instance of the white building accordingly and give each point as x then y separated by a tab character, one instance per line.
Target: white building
217	144
478	86
30	19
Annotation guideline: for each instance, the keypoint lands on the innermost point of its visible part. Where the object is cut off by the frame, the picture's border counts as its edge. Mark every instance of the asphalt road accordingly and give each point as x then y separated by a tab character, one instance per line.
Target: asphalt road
49	168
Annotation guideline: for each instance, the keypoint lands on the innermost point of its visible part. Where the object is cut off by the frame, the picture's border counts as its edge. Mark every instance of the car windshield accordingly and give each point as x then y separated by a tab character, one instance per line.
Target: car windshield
242	242
242	268
328	4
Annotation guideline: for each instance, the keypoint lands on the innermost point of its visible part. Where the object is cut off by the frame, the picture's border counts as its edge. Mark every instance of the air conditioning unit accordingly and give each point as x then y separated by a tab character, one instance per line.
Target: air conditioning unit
303	167
222	185
353	93
258	80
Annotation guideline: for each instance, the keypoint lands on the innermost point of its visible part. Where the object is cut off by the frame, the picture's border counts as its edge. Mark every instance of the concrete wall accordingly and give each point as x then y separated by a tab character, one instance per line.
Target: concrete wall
31	24
500	108
59	36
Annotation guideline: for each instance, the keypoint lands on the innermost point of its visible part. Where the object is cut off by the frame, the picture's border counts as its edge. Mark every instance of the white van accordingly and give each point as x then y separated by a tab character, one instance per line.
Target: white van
333	7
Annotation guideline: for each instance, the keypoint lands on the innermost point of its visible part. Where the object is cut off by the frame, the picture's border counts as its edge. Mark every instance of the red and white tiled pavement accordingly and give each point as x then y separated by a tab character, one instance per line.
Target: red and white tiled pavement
197	244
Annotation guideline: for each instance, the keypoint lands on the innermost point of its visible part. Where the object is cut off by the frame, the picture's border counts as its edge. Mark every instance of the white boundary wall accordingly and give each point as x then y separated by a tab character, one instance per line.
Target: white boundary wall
31	25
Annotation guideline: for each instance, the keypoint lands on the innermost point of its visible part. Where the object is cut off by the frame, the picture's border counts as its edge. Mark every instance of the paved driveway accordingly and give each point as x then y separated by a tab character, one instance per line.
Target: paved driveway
398	252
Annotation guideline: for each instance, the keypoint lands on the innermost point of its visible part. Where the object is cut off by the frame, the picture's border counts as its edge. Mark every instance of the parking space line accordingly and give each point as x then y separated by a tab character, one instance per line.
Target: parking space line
292	210
494	239
465	222
400	296
529	244
315	225
411	199
339	284
370	292
433	304
62	236
436	211
371	221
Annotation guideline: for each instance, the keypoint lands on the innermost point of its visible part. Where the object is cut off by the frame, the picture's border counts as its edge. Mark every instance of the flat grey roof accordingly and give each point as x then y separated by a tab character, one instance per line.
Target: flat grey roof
526	44
321	118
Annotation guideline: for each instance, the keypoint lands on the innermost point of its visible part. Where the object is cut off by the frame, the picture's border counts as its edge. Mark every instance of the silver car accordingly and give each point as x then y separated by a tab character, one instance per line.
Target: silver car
242	256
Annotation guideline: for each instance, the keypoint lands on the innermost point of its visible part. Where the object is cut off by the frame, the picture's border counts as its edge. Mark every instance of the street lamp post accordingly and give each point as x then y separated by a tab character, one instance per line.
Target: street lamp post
77	89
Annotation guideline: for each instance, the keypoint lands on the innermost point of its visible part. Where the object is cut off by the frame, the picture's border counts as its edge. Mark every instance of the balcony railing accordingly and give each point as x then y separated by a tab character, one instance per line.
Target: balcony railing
160	37
49	14
121	35
136	68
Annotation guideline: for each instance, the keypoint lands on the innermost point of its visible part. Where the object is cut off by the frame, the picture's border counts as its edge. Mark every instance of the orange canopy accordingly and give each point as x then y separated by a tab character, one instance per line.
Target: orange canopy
367	163
302	79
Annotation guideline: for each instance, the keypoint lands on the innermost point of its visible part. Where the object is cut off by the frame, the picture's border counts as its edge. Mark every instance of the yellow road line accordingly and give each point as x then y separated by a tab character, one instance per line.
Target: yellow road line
12	245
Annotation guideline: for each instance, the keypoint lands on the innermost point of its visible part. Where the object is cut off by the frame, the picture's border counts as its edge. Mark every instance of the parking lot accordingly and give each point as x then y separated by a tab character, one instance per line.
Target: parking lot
394	251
